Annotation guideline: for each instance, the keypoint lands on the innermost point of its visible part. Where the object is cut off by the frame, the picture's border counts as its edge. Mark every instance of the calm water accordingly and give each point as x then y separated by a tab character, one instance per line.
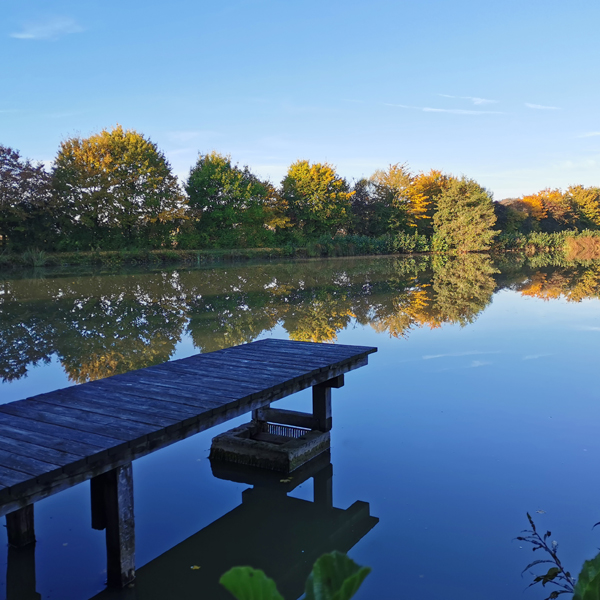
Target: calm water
482	404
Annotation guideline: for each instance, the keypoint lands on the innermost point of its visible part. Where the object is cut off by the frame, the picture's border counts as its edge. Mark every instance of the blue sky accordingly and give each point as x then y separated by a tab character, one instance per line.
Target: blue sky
504	92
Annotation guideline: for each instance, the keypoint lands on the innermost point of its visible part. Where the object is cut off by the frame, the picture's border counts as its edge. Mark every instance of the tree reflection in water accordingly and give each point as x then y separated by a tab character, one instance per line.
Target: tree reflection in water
103	325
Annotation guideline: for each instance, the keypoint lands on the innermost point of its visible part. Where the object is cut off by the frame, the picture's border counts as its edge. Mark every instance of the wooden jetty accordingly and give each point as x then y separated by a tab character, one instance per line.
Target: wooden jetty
94	431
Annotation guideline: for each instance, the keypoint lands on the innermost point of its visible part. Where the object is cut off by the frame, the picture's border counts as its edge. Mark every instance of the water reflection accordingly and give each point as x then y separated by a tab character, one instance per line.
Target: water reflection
20	575
99	326
269	530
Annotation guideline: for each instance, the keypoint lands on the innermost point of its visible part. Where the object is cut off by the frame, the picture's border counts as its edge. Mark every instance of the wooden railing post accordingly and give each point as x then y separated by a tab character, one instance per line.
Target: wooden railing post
19	525
112	509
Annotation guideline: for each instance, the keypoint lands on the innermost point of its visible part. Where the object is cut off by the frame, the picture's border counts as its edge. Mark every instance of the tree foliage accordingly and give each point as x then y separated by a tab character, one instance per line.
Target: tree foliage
25	202
116	188
465	217
230	206
318	198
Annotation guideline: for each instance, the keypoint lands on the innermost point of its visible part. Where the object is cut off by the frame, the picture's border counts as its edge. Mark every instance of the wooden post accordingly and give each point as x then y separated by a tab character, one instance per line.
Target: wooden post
322	401
20	574
257	414
112	509
20	527
322	406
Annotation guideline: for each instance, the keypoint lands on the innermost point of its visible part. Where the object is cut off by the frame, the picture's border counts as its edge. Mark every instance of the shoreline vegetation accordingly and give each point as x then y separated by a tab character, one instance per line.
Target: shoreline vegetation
543	248
112	199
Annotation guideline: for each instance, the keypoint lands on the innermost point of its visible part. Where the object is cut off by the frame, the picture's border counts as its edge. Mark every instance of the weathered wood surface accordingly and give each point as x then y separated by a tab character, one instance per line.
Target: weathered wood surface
55	440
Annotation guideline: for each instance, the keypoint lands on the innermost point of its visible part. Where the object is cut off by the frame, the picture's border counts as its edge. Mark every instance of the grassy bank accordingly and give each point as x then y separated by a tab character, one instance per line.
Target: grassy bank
569	245
116	258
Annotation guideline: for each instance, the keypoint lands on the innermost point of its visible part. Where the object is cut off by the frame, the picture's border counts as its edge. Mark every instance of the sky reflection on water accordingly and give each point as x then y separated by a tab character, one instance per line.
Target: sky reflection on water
451	434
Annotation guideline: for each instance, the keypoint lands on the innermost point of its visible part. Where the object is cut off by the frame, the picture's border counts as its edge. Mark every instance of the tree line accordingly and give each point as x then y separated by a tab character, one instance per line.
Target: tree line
116	190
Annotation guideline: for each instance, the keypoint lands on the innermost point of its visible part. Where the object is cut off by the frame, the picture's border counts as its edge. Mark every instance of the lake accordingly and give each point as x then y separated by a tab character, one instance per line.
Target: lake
482	404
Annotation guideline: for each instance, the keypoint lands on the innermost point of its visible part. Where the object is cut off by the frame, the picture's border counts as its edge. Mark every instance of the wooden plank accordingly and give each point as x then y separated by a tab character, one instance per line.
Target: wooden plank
138	403
42	412
129	428
110	407
10	477
38	452
26	464
293	356
217	381
210	363
326	352
256	359
52	442
316	346
101	441
214	390
154	390
192	408
334	382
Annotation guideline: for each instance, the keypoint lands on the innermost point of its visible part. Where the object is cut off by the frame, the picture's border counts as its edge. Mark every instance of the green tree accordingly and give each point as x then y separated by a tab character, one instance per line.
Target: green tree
229	206
390	190
318	198
115	189
370	215
465	217
25	202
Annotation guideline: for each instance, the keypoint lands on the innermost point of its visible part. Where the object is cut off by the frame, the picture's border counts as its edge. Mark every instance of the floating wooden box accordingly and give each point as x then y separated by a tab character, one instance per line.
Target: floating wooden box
268	446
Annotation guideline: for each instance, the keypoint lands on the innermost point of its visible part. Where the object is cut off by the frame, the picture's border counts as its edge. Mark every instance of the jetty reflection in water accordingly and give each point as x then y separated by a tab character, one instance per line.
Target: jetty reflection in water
269	530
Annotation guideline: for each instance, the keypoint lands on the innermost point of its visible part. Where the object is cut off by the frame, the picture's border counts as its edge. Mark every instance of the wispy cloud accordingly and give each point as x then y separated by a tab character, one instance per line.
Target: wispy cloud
588	328
474	99
590	134
479	363
535	356
453	354
541	106
452	111
48	30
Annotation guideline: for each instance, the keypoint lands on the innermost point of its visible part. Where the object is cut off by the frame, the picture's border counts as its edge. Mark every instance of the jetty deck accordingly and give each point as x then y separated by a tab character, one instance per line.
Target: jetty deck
94	431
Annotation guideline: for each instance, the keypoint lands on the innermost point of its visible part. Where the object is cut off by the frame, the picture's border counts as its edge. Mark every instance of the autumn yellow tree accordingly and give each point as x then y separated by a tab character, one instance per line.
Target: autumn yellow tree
318	198
115	188
412	199
587	201
423	193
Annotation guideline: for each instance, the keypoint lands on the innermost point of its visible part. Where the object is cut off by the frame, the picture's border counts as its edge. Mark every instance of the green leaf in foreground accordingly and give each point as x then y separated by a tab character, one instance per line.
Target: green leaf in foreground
246	583
335	576
588	582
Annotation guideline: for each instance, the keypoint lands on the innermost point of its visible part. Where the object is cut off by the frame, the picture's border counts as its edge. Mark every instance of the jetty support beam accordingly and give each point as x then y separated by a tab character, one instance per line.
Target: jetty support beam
112	509
19	525
322	401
